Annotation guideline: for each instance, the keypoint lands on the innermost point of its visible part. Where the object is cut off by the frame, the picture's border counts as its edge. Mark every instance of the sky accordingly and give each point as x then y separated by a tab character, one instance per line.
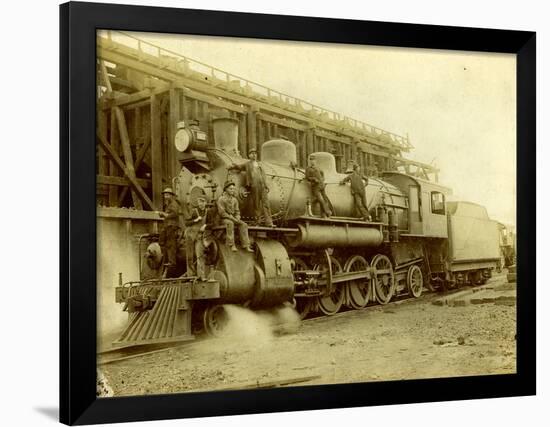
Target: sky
458	108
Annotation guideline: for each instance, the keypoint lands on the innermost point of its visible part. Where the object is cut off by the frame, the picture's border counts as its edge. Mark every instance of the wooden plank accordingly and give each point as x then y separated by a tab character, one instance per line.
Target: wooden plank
127	150
131	178
120	181
127	214
156	153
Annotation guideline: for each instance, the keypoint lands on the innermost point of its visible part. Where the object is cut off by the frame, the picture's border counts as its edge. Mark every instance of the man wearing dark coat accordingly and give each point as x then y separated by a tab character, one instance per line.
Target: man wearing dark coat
256	183
195	236
168	238
358	182
316	178
228	209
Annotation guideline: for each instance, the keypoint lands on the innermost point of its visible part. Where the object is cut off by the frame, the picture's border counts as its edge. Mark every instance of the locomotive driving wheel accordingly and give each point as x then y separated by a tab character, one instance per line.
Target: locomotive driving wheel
215	320
359	290
383	278
330	304
302	305
415	281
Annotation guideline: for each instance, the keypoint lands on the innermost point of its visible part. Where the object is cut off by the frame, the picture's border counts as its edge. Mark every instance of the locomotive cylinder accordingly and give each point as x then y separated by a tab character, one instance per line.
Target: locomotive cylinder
319	236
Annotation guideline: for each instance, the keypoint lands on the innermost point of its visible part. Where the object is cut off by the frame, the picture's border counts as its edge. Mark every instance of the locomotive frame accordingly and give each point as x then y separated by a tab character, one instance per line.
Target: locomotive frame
78	403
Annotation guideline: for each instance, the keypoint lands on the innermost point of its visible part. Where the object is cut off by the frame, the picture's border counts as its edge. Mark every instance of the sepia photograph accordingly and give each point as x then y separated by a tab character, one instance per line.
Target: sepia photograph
279	213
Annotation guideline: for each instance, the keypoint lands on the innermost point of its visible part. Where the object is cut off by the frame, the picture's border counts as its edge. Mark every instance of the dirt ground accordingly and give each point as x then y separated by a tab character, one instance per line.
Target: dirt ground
411	339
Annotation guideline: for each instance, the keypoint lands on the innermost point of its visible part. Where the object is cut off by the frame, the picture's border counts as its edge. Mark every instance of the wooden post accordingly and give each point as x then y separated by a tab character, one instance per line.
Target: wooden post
261	133
156	153
310	140
113	171
102	164
251	124
175	117
127	150
242	134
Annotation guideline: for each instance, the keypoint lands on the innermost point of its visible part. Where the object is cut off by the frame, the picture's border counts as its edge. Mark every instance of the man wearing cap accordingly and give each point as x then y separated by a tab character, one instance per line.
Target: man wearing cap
195	231
256	183
358	182
168	238
228	209
316	178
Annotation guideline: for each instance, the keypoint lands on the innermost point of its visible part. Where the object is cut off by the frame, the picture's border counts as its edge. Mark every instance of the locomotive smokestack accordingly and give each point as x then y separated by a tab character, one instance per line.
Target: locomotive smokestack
226	132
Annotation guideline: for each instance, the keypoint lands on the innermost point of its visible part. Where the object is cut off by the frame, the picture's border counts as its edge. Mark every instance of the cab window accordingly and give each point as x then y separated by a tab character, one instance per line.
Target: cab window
438	203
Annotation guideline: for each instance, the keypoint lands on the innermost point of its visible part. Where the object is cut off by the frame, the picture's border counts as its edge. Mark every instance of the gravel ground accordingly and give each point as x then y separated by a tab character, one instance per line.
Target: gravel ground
413	339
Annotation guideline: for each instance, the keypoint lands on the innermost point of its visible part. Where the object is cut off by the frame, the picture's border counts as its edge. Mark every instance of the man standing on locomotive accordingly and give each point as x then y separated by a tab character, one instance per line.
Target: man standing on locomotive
228	209
194	238
358	183
168	238
256	183
316	178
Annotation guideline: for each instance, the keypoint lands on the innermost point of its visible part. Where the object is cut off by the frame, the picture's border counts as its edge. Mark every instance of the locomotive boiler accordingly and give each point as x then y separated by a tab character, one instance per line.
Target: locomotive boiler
316	264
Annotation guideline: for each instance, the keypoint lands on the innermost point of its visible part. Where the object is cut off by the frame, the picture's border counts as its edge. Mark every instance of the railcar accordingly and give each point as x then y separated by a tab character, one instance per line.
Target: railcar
416	239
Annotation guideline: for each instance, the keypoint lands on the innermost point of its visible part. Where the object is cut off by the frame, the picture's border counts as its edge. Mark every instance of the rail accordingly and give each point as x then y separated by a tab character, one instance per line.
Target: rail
254	89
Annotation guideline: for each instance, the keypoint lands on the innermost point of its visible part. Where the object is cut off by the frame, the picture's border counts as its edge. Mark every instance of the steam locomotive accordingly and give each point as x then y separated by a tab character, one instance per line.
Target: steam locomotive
416	240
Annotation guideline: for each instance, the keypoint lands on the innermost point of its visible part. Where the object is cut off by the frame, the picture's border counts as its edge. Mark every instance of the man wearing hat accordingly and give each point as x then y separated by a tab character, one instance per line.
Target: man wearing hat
168	238
358	182
228	209
256	183
316	178
195	234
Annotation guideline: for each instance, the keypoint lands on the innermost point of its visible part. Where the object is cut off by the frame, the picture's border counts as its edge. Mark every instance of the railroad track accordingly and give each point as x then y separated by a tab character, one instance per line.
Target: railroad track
116	355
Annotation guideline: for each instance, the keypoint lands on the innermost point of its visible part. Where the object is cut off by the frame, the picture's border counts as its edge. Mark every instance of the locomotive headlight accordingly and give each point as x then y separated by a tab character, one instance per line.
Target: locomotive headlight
189	137
183	138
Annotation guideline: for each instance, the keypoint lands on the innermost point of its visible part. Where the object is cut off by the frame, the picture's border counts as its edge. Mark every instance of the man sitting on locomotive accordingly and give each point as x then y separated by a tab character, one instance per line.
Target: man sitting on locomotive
256	183
168	238
358	183
316	178
195	236
228	209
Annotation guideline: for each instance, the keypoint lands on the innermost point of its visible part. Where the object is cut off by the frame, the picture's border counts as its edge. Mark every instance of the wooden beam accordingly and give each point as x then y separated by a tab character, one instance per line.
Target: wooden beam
156	153
127	150
139	158
120	181
132	180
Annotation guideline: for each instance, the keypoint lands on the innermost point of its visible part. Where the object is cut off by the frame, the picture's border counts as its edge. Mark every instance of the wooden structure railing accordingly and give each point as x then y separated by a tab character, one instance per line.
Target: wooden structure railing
144	91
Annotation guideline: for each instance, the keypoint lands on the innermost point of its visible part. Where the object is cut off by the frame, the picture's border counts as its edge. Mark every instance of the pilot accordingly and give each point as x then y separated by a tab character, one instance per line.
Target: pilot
256	183
358	183
169	235
228	209
316	178
195	236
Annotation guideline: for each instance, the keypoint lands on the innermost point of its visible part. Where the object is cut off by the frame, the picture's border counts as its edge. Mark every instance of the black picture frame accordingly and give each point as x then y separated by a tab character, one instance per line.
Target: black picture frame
78	24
